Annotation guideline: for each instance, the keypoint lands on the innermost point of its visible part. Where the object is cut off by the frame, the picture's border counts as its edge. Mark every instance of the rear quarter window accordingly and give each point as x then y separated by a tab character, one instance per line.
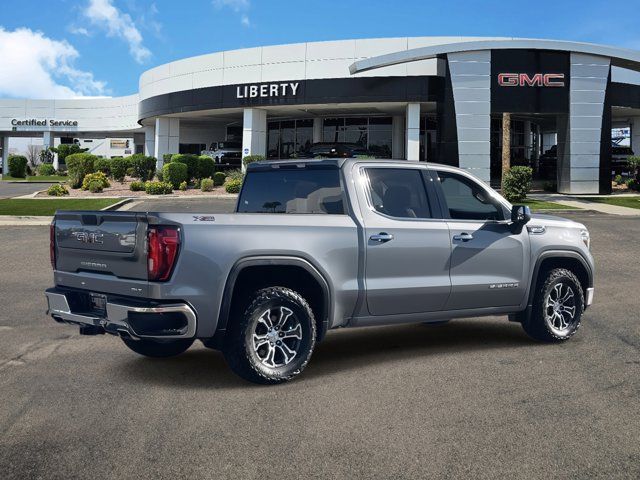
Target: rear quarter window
293	191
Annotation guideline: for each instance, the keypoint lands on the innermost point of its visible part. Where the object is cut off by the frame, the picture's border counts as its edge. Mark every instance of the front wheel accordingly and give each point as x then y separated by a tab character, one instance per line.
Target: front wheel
158	348
273	340
557	307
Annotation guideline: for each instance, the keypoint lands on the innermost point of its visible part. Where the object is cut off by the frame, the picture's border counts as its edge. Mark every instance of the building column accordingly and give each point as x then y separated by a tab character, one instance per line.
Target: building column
471	85
254	132
413	132
579	171
397	137
166	138
47	142
5	155
149	141
317	130
635	135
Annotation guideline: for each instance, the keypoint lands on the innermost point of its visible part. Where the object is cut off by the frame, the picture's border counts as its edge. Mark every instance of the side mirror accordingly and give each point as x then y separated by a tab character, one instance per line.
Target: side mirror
520	215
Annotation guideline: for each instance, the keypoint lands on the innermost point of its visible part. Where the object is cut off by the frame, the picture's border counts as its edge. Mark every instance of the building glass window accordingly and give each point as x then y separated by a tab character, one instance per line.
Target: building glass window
288	137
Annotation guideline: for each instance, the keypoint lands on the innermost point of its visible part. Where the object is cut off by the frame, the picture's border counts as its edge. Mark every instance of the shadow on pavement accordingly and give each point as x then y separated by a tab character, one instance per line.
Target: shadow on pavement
341	351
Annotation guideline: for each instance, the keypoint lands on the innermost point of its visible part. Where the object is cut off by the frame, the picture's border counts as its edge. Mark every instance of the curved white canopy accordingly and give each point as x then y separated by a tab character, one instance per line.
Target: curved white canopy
620	57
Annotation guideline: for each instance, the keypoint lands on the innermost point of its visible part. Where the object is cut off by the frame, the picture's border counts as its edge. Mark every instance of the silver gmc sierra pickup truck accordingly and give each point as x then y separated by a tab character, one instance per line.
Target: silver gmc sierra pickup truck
316	245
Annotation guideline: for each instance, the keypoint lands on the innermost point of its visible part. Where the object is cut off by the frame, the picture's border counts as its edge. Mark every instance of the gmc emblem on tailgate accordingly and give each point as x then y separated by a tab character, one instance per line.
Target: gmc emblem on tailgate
89	237
535	80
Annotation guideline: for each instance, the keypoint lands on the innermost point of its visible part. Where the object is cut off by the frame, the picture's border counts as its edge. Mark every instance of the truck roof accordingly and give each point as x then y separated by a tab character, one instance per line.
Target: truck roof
338	162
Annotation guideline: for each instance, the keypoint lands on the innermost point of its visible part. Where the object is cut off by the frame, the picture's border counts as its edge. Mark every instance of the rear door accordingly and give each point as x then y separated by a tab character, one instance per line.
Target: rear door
488	261
110	243
407	249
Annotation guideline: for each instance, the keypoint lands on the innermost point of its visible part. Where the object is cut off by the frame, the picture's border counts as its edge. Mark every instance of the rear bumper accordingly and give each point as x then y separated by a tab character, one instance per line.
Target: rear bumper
118	317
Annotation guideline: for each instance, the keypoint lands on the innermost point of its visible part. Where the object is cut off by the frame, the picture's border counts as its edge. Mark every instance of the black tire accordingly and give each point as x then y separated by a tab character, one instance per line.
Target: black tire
255	342
159	348
556	324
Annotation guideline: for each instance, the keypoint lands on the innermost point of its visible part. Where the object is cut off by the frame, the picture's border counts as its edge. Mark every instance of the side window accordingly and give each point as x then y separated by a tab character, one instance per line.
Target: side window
398	192
466	200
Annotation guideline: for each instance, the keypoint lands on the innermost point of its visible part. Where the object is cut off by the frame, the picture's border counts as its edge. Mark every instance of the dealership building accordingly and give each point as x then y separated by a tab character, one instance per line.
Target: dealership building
435	99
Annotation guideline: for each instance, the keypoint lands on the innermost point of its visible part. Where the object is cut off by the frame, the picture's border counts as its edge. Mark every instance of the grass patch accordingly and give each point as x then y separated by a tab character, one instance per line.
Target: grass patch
36	178
47	207
542	205
630	202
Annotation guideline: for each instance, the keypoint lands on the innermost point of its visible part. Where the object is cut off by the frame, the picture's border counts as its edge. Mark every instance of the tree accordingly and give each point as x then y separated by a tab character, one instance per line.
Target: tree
33	154
506	146
66	149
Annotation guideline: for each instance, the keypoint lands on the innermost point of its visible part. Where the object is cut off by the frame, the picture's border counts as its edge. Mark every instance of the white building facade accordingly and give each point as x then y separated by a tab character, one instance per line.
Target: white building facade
434	99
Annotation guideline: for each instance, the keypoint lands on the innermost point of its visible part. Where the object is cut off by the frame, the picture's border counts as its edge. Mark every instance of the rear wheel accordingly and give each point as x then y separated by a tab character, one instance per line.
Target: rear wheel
557	307
158	348
273	340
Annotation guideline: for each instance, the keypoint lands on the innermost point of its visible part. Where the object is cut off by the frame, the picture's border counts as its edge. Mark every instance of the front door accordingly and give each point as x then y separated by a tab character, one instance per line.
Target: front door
489	262
407	250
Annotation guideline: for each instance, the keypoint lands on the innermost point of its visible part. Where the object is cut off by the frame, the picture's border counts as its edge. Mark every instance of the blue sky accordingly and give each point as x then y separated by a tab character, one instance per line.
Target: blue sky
67	48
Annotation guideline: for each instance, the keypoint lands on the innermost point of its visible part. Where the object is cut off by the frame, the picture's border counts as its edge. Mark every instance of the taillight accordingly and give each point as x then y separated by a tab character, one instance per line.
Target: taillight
52	245
163	247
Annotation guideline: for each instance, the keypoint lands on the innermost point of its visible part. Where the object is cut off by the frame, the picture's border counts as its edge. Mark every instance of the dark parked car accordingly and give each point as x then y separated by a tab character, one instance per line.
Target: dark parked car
336	150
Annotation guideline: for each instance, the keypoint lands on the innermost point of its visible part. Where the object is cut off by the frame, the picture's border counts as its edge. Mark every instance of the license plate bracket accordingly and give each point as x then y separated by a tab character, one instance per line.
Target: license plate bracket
98	303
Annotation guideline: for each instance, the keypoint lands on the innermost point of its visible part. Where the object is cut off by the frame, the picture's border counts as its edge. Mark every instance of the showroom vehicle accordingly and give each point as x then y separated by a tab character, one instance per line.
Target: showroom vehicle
227	152
316	245
335	150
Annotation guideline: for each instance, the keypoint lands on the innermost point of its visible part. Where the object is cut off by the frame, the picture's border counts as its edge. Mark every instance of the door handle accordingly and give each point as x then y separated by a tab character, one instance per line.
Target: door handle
381	237
463	237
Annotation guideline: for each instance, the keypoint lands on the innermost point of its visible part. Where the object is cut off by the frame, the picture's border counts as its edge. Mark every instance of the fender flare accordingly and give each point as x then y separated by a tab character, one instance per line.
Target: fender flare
524	315
272	260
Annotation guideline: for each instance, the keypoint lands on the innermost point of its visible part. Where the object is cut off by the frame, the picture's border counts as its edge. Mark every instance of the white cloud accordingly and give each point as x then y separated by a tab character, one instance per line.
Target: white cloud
79	31
35	66
103	14
238	6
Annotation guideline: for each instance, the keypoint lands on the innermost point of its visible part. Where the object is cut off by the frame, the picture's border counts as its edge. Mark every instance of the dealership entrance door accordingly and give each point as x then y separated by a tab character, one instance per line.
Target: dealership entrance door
535	143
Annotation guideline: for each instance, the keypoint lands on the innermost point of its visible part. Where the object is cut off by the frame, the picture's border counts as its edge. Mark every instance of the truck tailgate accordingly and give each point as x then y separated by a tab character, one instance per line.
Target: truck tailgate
109	243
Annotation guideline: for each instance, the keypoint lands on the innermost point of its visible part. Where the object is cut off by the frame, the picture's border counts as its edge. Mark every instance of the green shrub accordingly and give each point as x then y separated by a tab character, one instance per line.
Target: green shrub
18	166
95	186
517	183
618	180
235	175
143	167
158	188
252	158
159	175
175	173
57	190
46	169
633	184
137	186
103	165
206	166
634	166
191	161
183	186
206	185
91	178
166	158
79	165
628	182
233	185
197	182
219	178
119	167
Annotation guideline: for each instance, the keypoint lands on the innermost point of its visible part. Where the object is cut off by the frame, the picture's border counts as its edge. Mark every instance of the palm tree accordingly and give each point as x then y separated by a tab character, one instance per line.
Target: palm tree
506	146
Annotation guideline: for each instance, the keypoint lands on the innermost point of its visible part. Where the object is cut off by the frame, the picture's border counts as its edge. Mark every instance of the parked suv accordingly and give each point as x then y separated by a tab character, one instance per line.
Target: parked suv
227	152
317	245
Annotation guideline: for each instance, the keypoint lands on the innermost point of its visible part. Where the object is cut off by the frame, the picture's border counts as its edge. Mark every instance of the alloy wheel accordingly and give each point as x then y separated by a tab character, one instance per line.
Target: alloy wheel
277	337
560	308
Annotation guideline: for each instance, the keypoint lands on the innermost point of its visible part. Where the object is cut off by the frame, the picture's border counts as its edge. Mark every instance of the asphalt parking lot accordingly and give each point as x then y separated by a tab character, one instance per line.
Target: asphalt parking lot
469	399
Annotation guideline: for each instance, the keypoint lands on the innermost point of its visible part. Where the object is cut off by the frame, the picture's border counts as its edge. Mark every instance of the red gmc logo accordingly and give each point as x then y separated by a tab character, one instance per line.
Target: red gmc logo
535	80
